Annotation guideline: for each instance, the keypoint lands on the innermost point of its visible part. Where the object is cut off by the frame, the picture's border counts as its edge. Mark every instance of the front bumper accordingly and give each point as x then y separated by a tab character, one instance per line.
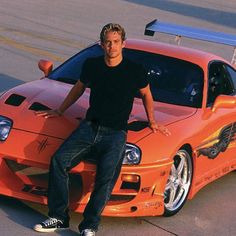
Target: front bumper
139	190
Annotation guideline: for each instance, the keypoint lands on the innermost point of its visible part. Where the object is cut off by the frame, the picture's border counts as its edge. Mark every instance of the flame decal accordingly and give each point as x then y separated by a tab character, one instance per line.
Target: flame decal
219	143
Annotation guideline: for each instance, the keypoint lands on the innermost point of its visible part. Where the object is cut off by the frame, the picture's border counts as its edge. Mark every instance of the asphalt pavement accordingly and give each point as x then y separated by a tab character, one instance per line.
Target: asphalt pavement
55	30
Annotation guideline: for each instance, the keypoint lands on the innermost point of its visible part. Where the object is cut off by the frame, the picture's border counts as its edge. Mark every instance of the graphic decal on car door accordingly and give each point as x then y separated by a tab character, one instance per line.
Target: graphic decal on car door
218	142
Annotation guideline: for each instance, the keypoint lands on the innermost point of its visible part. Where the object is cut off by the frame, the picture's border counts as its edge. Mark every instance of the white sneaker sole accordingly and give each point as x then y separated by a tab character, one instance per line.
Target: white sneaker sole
40	229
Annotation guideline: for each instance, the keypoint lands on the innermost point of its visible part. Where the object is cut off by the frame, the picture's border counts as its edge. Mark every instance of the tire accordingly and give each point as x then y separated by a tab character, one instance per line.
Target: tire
178	183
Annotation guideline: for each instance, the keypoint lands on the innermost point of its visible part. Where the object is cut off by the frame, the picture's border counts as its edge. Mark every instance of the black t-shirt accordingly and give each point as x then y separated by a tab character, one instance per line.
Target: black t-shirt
112	90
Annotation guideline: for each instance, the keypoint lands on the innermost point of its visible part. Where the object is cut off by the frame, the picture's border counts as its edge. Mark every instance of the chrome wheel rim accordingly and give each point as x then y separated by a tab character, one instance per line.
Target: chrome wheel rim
179	181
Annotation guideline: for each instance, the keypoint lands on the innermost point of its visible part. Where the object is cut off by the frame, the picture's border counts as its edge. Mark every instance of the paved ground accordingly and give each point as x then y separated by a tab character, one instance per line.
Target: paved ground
55	30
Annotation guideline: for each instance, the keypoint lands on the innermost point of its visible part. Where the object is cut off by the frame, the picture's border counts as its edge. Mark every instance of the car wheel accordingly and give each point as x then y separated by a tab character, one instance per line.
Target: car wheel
178	183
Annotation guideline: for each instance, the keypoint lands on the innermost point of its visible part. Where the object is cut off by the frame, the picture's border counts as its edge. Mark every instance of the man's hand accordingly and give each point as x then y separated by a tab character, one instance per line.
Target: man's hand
161	128
49	113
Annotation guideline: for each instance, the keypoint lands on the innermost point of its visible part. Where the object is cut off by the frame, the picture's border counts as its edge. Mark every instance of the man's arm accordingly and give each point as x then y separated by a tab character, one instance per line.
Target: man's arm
149	108
74	94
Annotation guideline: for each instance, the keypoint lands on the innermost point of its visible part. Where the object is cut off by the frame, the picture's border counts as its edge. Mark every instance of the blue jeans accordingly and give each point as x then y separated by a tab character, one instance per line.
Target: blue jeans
108	145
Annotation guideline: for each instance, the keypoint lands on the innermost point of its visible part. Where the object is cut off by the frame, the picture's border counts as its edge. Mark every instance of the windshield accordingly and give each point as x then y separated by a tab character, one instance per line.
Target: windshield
172	80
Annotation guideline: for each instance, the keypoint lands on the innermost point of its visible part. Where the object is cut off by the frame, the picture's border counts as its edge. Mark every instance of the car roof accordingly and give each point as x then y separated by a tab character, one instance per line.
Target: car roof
195	56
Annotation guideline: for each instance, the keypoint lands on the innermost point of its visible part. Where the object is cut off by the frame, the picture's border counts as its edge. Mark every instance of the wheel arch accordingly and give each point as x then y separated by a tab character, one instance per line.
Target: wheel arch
189	149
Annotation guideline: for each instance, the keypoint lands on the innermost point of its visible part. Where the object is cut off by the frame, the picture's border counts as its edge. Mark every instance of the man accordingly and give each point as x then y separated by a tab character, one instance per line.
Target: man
113	82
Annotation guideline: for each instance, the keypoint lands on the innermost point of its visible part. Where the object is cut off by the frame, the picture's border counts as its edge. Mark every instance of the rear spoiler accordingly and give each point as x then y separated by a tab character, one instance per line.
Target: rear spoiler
192	32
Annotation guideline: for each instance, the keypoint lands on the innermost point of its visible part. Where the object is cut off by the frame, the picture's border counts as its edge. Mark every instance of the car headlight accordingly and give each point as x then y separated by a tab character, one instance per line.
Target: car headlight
5	127
132	155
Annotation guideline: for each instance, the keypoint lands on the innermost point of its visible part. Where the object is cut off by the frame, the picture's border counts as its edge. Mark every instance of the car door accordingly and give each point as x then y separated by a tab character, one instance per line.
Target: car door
217	146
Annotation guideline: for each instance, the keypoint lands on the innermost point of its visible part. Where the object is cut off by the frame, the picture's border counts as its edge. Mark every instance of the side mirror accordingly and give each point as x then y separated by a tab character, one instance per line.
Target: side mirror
224	101
45	66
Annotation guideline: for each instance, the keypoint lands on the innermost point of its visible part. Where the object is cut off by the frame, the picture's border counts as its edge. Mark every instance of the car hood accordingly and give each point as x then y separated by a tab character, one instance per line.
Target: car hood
20	104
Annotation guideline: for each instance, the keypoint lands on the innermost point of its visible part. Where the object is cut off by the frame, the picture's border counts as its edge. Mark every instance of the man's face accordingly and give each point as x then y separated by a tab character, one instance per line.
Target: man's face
113	45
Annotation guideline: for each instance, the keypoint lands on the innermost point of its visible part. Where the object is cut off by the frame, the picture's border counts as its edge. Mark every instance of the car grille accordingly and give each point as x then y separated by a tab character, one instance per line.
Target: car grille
35	181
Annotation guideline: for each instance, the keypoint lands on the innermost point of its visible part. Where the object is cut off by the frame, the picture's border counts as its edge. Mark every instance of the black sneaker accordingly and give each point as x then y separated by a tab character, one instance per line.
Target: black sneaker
51	225
87	232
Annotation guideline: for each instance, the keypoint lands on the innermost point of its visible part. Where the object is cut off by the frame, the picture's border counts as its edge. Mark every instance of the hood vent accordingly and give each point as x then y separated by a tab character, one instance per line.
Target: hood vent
15	100
36	106
137	125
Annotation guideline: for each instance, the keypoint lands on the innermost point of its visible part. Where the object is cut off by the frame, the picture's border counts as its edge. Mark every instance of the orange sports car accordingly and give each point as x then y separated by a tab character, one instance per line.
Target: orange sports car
194	94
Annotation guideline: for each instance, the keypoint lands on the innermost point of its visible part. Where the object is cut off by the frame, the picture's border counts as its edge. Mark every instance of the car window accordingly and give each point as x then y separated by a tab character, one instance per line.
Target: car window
69	72
219	82
232	74
172	80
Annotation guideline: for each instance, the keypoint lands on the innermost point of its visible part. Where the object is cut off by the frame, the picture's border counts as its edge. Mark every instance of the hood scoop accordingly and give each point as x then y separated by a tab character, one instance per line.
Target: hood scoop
15	100
36	106
137	125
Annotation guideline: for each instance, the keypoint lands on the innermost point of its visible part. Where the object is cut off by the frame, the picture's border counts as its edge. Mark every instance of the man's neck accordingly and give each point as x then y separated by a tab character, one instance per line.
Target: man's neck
111	62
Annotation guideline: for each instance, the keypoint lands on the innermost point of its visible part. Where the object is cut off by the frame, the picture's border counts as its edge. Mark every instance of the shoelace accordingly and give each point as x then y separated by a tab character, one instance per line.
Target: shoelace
50	221
88	232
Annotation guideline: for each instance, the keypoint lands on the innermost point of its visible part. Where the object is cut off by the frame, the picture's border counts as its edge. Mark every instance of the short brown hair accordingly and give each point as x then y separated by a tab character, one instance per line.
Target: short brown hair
112	27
